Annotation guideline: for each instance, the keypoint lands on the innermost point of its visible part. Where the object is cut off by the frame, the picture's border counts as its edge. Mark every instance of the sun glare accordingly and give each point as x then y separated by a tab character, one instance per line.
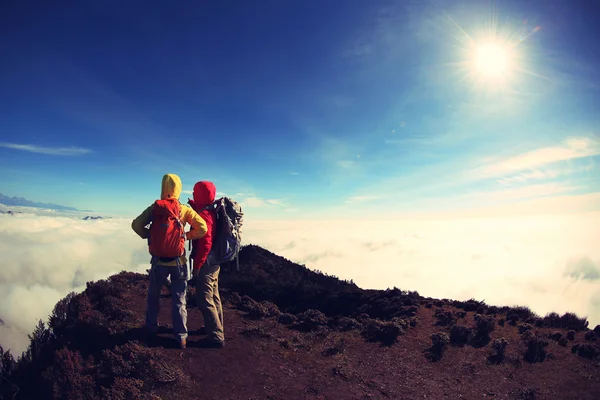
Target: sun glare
492	60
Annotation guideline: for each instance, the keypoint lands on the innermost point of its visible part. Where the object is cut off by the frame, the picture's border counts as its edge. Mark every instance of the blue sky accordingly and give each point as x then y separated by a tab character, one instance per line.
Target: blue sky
300	108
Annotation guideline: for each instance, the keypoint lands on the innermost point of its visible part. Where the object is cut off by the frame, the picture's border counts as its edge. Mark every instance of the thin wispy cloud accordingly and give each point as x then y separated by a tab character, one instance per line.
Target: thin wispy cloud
346	164
526	192
54	151
574	147
584	268
361	199
258	202
545	174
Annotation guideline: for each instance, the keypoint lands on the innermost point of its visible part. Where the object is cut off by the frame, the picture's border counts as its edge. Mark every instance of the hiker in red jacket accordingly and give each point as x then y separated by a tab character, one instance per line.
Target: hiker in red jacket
205	270
166	243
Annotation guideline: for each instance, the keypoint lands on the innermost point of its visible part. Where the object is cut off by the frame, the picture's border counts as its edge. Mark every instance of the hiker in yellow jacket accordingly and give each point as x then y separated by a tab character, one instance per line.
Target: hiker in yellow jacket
166	243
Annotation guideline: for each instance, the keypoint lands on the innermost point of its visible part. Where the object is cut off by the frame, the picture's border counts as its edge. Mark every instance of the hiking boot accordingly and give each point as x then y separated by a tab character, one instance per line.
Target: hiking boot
182	343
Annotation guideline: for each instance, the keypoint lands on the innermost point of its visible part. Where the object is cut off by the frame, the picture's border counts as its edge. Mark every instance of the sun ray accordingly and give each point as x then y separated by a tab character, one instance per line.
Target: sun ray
492	57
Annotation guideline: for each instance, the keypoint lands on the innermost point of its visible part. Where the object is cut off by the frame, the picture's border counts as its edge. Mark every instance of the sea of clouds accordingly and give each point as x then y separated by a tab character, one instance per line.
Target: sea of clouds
549	263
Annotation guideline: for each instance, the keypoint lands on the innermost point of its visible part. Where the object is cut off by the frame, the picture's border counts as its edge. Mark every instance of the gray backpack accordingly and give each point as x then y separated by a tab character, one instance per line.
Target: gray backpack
228	231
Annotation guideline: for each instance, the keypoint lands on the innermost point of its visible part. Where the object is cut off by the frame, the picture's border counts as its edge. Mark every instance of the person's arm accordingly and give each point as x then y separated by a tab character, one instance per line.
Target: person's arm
196	221
203	245
139	224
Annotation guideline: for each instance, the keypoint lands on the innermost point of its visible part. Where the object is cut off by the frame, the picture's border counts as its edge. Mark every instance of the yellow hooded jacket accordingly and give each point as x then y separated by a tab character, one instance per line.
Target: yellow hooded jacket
171	188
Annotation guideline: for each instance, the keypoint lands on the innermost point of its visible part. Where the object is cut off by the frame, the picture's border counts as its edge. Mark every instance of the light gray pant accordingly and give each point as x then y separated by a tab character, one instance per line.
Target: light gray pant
209	301
179	278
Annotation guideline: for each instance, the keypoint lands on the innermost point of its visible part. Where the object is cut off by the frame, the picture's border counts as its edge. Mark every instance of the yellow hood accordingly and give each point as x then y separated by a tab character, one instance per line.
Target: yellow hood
171	187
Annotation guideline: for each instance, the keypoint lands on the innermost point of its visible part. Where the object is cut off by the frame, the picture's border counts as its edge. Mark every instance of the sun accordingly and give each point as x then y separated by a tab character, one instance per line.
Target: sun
492	60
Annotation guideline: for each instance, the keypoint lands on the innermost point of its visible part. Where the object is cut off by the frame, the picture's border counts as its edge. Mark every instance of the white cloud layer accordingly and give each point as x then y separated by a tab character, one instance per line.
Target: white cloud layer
44	257
54	151
549	263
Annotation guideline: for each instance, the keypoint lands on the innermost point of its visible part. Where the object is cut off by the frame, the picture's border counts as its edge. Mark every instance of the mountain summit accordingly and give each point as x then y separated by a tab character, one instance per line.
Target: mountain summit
293	333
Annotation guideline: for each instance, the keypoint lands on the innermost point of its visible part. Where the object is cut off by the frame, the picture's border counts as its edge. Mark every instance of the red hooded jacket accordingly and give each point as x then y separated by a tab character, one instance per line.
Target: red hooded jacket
204	194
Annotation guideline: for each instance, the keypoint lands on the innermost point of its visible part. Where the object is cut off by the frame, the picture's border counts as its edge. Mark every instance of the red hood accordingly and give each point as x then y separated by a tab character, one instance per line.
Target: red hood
204	193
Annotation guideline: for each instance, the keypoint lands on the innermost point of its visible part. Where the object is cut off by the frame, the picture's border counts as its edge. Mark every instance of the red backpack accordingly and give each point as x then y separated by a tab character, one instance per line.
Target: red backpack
167	233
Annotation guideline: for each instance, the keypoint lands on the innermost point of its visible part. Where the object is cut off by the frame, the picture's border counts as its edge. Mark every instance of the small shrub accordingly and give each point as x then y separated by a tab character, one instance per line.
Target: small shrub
413	322
61	312
234	298
246	303
385	332
125	388
563	341
512	319
556	336
590	336
257	310
571	335
439	341
272	309
501	321
401	322
566	321
444	318
429	305
95	291
523	394
134	361
286	319
481	333
523	313
586	350
363	318
536	348
469	305
8	390
338	348
7	362
524	328
69	376
499	347
311	320
538	323
256	333
347	324
460	335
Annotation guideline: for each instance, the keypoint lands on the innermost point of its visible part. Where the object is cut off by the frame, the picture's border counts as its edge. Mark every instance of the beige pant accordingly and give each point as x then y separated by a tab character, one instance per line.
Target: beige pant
209	301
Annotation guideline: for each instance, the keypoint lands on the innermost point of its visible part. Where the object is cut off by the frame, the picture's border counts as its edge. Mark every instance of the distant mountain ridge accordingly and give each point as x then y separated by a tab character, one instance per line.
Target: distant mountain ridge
21	201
